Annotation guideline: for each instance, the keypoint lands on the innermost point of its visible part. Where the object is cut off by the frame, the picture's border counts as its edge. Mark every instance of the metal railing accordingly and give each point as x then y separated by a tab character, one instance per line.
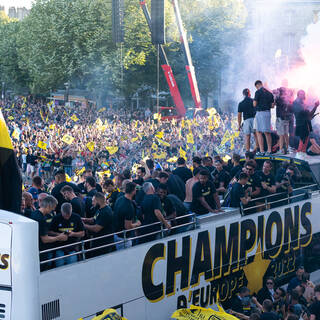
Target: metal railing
125	235
284	198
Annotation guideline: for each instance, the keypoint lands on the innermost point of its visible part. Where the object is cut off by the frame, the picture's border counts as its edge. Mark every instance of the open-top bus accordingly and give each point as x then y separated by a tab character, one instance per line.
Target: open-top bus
218	253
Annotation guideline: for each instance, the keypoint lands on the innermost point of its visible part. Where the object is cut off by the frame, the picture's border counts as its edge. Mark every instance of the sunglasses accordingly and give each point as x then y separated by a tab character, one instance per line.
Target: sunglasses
269	282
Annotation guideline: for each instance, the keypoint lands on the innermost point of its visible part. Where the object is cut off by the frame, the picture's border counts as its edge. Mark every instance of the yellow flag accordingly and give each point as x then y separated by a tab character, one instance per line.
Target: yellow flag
74	118
226	138
42	145
134	139
109	314
67	139
101	174
172	159
5	141
90	146
198	313
80	171
41	115
226	158
154	147
112	150
52	126
190	138
11	118
236	134
161	155
68	179
167	144
23	106
102	109
15	134
155	116
160	134
182	153
182	123
99	122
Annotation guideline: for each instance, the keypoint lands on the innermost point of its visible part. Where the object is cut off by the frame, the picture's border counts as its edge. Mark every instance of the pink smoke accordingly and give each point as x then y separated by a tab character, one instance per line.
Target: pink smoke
307	75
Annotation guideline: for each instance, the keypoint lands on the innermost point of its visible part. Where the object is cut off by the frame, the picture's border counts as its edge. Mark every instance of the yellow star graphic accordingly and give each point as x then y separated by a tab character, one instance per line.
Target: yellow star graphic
255	271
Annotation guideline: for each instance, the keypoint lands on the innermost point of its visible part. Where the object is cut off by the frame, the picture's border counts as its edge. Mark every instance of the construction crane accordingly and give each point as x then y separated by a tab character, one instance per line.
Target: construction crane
174	90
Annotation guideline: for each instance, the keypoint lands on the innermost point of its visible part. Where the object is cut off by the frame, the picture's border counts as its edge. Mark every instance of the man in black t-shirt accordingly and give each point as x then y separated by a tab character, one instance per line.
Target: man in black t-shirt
167	205
152	213
238	194
315	307
182	171
48	204
70	224
221	177
87	173
60	180
246	109
125	217
100	225
263	102
284	114
204	196
76	202
236	165
268	184
112	192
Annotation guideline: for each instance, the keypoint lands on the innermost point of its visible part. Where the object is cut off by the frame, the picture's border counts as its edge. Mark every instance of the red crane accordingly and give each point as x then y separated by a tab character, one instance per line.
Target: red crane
174	90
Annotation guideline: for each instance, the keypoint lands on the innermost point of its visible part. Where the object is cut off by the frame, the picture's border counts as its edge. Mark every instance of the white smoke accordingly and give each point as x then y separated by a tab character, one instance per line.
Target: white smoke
307	75
270	52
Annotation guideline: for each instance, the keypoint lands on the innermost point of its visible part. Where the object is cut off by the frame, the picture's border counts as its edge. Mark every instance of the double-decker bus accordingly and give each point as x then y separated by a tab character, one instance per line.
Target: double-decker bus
198	258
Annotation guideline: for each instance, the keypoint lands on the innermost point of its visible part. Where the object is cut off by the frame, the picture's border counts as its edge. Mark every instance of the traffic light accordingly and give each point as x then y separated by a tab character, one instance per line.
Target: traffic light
117	20
157	22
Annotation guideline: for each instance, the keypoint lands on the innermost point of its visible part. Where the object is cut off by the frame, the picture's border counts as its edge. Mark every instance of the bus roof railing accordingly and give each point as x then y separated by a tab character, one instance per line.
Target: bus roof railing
82	252
285	196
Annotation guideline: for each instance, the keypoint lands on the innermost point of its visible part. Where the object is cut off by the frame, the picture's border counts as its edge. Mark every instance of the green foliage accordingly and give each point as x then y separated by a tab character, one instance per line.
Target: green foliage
70	40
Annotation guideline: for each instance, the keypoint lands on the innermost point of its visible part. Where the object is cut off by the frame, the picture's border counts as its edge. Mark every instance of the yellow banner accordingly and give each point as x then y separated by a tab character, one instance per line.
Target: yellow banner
167	144
161	155
198	313
15	134
67	139
74	118
112	150
42	145
90	146
190	138
160	134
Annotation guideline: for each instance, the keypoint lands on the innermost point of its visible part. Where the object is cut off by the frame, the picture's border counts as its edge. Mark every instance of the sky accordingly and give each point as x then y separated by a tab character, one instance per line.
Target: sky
16	3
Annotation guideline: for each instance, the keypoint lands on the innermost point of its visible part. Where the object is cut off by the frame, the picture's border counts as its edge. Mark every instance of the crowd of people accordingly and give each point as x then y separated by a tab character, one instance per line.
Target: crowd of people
92	172
124	178
300	300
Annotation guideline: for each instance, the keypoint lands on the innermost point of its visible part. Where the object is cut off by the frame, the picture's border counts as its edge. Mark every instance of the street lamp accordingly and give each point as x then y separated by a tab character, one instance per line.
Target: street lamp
66	96
2	93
